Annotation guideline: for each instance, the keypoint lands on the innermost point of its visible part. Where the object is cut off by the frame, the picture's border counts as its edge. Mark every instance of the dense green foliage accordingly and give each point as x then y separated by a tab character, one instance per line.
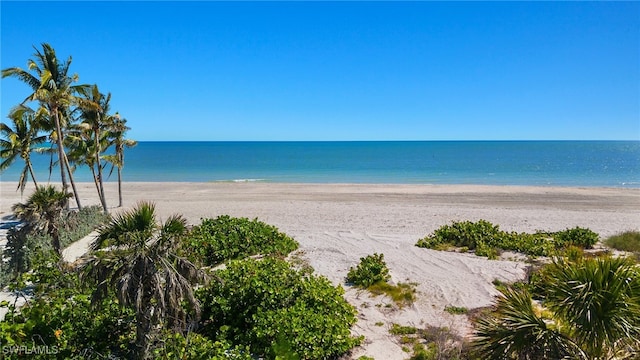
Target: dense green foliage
226	238
194	346
61	322
588	308
487	239
626	241
370	270
26	244
273	308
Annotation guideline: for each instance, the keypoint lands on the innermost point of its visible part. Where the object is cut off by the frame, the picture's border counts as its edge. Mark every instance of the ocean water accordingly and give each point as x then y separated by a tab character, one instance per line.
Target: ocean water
542	163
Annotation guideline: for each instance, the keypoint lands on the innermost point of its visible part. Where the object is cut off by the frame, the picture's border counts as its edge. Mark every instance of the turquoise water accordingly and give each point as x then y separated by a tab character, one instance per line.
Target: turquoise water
546	163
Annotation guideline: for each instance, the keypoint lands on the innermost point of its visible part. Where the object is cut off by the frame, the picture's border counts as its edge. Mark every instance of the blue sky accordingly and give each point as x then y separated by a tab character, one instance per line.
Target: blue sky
346	70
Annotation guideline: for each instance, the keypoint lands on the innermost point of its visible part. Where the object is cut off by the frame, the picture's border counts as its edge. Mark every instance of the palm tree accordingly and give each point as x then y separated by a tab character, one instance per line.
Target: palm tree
42	211
117	131
592	311
516	331
96	121
82	150
20	141
52	88
599	299
144	270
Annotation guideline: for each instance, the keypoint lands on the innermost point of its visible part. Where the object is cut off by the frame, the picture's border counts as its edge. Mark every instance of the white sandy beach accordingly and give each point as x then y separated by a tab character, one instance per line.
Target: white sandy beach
336	224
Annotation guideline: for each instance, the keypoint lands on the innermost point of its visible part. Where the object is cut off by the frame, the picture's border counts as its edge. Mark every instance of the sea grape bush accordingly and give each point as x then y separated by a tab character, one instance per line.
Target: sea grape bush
486	239
577	236
277	310
370	270
227	238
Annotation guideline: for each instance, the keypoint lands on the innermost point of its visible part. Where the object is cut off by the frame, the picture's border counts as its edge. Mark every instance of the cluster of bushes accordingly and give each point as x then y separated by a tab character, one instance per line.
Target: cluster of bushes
226	238
277	310
250	308
26	245
486	239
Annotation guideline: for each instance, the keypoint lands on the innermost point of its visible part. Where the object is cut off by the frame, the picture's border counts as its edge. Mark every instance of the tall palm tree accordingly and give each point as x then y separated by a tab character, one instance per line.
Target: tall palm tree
144	270
42	211
82	149
20	141
52	88
118	129
96	120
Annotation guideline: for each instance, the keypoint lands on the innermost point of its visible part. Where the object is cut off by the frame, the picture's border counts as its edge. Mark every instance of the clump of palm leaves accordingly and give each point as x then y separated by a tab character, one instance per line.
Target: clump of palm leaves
143	269
587	309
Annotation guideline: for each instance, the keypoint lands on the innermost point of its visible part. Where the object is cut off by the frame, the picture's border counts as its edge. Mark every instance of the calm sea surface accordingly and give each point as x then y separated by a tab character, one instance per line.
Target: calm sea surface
546	163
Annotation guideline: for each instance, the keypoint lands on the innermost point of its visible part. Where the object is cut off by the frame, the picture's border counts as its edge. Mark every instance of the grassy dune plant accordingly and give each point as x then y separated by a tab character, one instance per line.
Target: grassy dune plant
372	274
625	241
486	239
227	238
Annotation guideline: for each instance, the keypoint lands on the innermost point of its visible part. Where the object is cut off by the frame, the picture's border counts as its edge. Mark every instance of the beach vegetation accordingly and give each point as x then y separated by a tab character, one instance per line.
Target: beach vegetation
486	239
43	211
373	275
588	308
144	271
371	269
273	308
625	241
228	238
430	342
26	245
456	310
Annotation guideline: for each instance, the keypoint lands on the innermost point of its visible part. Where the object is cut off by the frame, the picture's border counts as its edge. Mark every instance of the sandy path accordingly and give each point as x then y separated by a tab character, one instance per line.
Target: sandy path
337	224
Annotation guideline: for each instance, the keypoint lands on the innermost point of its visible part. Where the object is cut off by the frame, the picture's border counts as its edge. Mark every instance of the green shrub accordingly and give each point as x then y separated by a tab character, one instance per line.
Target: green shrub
197	347
456	310
397	329
577	236
463	233
60	315
370	270
626	241
227	238
272	307
487	239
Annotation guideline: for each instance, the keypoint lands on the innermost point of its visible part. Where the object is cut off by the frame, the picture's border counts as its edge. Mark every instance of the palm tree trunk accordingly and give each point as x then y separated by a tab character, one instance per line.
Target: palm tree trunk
103	200
119	187
73	183
143	330
33	177
95	181
61	154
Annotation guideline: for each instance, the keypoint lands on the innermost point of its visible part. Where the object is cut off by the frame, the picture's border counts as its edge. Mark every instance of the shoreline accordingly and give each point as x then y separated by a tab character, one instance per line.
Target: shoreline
337	224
